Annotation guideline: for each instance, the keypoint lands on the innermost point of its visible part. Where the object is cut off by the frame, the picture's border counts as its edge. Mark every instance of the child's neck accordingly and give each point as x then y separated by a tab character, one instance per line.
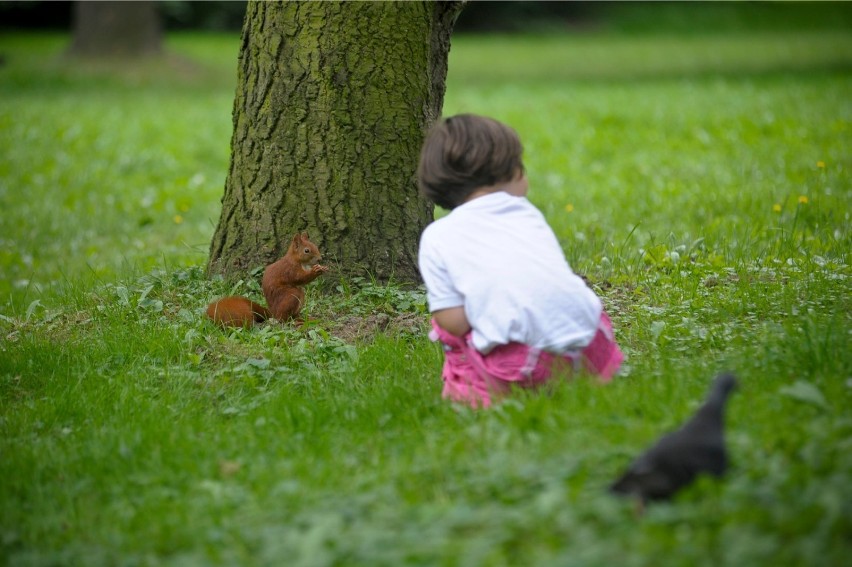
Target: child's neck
517	188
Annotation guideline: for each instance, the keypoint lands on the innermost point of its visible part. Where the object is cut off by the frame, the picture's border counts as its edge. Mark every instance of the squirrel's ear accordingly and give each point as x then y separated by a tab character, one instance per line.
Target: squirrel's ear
305	236
297	238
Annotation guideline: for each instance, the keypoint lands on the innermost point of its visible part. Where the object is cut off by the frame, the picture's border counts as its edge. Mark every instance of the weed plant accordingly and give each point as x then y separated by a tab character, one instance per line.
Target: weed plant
703	190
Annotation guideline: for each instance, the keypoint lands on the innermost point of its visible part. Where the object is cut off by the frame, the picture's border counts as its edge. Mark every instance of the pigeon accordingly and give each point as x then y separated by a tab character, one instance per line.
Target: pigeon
674	461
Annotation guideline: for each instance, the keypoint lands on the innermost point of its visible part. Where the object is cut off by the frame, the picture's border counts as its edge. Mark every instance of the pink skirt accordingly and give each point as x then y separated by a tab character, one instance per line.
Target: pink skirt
474	378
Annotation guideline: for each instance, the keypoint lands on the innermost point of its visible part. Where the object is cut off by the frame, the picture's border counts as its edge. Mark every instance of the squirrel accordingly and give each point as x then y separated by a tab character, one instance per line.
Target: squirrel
282	286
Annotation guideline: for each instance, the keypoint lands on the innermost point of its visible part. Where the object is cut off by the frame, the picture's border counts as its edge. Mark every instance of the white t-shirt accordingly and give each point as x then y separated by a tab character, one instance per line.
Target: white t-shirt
497	256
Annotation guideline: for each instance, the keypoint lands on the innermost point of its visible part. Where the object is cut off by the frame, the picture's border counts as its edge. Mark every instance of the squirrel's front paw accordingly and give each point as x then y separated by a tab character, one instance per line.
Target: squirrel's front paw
319	269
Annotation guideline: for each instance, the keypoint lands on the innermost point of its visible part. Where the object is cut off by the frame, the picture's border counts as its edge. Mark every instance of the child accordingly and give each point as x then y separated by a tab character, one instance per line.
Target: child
505	304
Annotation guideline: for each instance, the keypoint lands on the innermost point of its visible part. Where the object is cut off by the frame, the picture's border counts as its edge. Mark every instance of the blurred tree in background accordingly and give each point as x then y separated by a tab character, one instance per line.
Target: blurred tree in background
116	29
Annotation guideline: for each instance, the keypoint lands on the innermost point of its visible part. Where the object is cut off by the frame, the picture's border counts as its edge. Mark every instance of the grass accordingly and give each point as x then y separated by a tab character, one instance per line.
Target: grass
707	199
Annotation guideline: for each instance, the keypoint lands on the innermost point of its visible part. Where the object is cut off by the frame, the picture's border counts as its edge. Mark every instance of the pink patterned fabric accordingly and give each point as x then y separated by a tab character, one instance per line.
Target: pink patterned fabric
474	378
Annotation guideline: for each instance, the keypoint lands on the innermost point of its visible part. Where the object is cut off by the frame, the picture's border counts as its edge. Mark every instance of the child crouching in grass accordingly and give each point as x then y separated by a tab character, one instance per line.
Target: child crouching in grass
505	303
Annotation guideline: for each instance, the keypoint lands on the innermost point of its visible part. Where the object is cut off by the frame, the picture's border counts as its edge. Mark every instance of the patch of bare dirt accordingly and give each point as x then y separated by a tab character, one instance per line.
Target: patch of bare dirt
360	328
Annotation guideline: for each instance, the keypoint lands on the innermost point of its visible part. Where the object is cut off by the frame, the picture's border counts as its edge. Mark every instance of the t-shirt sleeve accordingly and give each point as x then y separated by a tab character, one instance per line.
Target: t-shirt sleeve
440	291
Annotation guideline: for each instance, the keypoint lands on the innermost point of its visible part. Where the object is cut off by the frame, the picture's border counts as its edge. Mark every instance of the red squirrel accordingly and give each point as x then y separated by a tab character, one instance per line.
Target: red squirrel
282	286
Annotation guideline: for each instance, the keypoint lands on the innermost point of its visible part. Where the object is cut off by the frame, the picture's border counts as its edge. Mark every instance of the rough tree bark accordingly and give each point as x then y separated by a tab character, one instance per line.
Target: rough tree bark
332	104
116	29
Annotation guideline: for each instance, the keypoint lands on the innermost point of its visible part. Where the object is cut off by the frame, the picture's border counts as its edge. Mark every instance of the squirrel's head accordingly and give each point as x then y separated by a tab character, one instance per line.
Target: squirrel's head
305	251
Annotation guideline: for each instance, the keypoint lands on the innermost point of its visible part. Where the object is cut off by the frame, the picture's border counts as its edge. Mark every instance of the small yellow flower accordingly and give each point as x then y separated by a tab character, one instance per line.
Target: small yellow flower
803	200
821	164
776	208
569	208
178	219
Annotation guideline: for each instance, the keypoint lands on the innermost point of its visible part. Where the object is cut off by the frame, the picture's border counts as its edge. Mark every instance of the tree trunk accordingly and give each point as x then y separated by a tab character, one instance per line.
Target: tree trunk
332	104
116	29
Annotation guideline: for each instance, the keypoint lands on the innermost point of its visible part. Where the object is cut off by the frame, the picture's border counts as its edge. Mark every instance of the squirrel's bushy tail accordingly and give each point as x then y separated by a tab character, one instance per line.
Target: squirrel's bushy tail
236	311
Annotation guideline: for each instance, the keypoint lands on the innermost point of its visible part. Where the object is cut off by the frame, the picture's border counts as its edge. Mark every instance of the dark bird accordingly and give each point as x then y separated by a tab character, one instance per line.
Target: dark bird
674	461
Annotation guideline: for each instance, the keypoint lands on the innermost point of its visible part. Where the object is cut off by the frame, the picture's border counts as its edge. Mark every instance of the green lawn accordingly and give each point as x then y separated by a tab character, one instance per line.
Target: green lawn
700	182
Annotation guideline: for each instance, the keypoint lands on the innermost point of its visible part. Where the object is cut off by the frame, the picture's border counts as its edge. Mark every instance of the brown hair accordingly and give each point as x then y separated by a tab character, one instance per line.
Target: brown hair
465	152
